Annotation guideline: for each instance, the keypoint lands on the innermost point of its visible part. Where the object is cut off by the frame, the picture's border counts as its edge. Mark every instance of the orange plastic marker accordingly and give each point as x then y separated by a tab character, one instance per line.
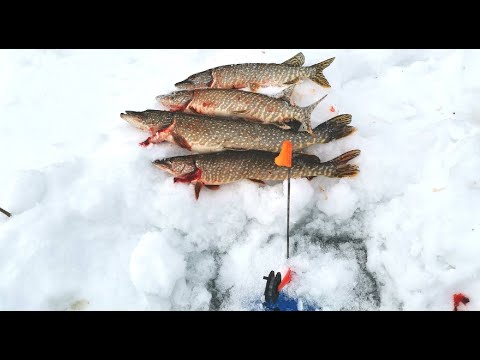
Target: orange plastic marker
285	156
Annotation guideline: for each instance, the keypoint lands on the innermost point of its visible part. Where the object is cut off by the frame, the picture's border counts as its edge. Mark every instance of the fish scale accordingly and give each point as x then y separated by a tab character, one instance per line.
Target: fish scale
243	75
238	103
225	102
236	165
201	133
255	75
229	166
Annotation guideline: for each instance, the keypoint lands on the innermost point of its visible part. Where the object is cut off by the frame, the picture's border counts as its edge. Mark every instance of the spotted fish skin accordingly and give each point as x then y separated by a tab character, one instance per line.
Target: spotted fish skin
256	75
238	103
205	134
230	166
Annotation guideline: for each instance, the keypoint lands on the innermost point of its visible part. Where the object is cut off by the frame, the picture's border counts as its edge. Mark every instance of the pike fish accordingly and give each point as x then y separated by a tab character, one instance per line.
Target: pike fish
258	75
238	103
215	169
204	134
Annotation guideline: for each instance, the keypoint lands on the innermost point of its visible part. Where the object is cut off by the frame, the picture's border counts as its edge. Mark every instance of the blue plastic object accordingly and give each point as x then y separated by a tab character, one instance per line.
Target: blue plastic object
286	303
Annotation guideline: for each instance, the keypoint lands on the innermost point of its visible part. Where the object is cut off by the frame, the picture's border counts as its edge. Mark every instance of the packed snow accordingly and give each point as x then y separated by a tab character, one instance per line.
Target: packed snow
96	227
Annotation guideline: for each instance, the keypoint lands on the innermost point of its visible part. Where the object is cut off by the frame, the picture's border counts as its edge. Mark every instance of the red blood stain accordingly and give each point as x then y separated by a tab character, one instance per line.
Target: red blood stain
332	109
459	298
145	143
188	178
208	103
157	136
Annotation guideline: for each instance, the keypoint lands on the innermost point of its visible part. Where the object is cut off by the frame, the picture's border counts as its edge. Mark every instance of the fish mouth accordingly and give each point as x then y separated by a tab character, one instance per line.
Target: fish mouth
163	100
159	163
135	118
176	101
164	164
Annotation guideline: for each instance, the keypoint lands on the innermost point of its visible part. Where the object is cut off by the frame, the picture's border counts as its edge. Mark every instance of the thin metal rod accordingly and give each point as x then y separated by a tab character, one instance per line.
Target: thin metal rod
288	216
5	212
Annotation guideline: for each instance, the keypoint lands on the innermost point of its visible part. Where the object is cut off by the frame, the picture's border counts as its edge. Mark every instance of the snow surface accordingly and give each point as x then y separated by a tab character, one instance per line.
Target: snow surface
95	226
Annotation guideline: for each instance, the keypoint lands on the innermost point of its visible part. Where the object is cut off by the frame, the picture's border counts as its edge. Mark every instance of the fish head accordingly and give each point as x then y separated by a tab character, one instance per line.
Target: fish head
178	165
148	120
201	80
177	100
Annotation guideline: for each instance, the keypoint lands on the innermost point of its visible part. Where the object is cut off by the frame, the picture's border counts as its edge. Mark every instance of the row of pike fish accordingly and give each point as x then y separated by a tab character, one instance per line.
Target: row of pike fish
239	133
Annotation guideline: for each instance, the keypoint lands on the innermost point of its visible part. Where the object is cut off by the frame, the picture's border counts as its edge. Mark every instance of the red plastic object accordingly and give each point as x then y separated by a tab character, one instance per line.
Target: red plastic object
286	279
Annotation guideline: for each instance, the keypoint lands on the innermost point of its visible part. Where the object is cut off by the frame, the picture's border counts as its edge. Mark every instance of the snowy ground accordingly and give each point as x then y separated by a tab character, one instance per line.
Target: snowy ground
96	226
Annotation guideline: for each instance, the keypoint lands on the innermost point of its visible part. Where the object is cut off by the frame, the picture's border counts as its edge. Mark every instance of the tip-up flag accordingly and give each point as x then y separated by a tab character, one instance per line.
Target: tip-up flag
285	156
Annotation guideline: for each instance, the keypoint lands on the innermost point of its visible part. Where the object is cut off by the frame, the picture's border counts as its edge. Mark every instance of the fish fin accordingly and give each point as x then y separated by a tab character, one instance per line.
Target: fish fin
310	157
198	187
191	109
346	170
190	177
254	87
258	181
286	94
283	126
309	109
307	127
239	111
335	128
146	142
158	136
307	114
310	178
180	141
213	187
341	168
294	124
295	61
318	76
346	157
292	82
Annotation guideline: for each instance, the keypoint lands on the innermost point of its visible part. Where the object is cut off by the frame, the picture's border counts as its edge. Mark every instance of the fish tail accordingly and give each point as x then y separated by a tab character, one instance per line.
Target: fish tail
335	128
318	76
286	94
307	114
339	168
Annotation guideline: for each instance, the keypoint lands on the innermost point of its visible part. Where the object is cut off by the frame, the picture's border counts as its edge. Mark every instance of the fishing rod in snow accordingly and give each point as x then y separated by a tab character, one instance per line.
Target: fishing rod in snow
285	159
275	299
275	282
